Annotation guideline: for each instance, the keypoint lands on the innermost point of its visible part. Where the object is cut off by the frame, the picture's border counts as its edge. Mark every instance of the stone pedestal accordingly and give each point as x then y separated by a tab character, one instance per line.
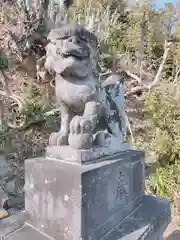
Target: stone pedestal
68	200
100	199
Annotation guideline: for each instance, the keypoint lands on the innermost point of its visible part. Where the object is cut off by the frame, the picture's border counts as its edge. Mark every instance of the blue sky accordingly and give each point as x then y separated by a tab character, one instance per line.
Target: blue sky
160	3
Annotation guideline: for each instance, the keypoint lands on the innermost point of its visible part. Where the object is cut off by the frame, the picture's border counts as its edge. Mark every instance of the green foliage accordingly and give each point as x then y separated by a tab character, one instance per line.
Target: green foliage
4	63
165	182
3	139
36	100
162	112
108	19
105	60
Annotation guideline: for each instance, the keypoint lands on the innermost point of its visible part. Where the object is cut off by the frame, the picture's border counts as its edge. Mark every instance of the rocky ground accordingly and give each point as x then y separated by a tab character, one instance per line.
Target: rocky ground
173	230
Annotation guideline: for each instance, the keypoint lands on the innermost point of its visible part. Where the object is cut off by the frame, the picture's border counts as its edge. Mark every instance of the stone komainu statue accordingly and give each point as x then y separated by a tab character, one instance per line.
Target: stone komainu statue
92	114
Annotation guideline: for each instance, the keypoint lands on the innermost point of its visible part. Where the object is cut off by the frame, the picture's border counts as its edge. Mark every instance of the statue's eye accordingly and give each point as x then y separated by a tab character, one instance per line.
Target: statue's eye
63	37
83	39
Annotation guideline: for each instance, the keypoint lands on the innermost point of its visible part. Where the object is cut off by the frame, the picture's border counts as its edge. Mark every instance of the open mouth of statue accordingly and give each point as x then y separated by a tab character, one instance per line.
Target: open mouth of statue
80	58
78	55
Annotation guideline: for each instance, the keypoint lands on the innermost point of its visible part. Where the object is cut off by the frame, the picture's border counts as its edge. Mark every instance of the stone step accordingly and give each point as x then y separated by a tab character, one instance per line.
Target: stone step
26	233
11	223
147	222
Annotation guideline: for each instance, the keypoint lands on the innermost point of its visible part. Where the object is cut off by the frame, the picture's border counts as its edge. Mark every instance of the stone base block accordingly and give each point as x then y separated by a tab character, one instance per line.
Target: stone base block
26	233
147	222
11	223
69	154
74	201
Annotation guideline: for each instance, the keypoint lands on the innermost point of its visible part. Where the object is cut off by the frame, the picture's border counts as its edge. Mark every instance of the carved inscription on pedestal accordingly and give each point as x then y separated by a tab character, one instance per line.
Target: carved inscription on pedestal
122	188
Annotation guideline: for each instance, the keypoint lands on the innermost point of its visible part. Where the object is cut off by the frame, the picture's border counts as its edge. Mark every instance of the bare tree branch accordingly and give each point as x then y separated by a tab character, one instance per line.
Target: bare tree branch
1	112
141	44
7	92
167	46
177	74
157	78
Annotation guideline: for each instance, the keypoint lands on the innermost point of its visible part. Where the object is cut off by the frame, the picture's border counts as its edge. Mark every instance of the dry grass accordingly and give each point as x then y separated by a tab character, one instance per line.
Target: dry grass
20	145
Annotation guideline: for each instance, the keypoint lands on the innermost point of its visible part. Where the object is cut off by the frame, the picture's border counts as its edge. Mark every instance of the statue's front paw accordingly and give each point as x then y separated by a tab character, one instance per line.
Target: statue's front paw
80	125
58	139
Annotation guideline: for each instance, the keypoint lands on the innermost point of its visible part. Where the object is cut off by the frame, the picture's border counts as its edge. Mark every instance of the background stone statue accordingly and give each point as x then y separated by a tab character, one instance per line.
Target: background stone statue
91	113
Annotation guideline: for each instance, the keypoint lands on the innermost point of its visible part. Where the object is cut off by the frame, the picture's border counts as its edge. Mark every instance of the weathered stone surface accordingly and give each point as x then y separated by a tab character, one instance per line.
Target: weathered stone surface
3	198
69	200
82	156
26	233
12	211
11	223
10	186
147	222
5	170
14	202
13	185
